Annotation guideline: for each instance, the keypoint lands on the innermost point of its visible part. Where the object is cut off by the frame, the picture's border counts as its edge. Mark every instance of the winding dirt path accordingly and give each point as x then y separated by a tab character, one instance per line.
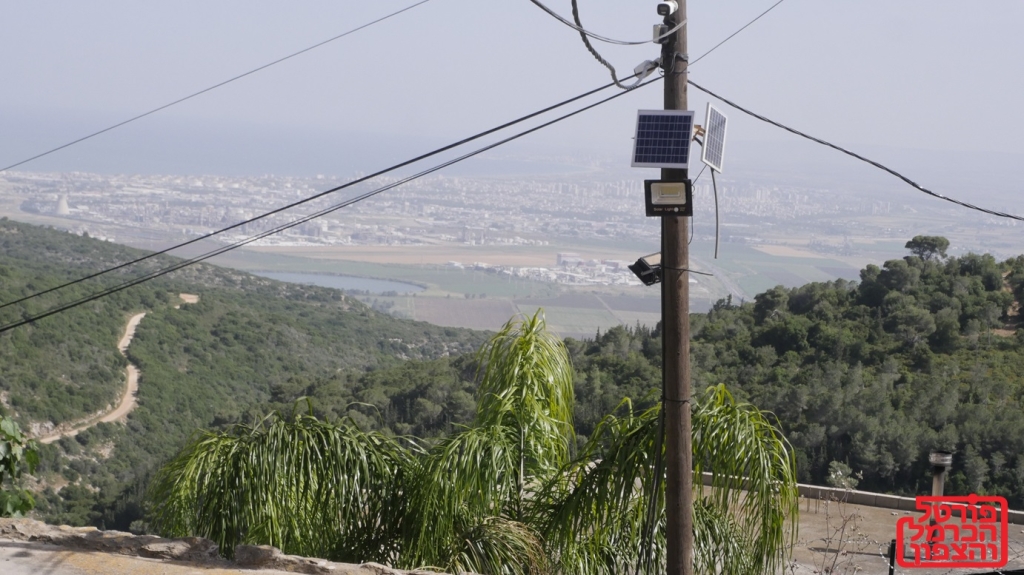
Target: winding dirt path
128	401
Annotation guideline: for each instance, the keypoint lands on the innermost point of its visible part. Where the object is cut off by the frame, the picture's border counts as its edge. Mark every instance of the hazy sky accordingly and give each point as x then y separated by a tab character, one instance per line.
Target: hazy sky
882	74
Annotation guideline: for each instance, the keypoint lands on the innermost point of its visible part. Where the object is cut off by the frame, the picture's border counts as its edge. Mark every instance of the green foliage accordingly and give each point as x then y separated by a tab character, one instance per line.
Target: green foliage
210	364
905	362
919	355
466	482
17	455
424	399
500	497
928	247
841	476
593	514
526	385
286	482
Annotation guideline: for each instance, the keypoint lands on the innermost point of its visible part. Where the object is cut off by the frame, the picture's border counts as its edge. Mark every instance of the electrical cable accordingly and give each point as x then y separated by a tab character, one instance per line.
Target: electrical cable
692	271
695	180
736	32
717	233
882	167
583	33
215	86
715	187
579	28
158	273
593	52
314	197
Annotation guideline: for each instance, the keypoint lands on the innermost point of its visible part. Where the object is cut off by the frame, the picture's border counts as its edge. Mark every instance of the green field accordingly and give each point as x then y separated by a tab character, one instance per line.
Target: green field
476	299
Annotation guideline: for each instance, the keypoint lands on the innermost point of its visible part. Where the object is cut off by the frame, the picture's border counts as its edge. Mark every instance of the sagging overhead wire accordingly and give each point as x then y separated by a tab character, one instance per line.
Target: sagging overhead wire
313	197
871	162
213	87
641	71
579	28
158	273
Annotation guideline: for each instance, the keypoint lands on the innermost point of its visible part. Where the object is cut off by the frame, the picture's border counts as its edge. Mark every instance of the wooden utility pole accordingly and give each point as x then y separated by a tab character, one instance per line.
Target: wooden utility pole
675	321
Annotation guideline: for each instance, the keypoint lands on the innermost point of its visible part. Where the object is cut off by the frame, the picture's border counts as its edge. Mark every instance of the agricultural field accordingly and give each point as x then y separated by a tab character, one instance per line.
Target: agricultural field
463	297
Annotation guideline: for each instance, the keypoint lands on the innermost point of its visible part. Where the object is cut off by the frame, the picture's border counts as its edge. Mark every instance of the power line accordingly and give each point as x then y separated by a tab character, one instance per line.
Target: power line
882	167
583	34
314	197
579	28
215	86
590	48
304	219
736	32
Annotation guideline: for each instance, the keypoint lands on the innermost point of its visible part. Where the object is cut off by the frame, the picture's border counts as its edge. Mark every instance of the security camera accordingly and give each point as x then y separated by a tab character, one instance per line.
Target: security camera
668	7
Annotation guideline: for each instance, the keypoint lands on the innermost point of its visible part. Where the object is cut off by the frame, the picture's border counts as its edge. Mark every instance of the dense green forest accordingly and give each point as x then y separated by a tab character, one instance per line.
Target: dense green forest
922	353
208	364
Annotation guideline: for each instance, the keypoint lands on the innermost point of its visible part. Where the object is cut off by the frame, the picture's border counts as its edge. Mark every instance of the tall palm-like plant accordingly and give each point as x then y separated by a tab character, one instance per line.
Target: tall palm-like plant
306	486
480	476
504	496
592	516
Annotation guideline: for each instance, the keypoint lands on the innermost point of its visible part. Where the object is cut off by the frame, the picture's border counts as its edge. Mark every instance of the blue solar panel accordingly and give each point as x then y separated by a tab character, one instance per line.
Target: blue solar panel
713	152
663	139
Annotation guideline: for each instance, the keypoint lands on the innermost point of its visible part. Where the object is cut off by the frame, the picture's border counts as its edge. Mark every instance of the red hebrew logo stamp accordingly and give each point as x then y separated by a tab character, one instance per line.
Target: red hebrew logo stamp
964	531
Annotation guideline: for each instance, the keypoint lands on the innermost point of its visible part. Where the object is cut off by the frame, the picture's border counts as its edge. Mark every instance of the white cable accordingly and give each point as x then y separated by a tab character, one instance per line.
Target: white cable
581	30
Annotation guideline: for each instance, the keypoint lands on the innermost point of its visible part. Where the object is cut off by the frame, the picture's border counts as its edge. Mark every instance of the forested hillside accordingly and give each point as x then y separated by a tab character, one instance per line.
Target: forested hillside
221	360
922	353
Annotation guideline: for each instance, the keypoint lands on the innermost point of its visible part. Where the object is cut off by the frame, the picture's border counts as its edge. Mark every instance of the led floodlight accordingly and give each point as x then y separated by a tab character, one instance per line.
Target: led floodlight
648	269
668	198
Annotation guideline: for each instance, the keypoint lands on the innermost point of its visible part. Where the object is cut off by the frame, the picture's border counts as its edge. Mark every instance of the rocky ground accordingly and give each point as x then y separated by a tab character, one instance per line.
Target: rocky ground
842	538
29	547
834	538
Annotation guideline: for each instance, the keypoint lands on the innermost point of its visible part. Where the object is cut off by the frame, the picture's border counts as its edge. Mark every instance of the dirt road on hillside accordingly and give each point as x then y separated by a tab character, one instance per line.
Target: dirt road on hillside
128	401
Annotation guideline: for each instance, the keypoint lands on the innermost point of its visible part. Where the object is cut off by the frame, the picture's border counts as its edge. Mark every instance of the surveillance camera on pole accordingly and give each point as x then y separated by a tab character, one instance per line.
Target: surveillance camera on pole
667	8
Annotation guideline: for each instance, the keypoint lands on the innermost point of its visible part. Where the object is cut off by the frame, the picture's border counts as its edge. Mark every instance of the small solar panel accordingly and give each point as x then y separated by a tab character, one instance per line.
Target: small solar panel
663	139
713	150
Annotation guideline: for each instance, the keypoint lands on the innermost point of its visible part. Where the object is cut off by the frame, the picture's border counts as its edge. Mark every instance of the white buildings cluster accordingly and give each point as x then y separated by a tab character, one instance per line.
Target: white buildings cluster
589	206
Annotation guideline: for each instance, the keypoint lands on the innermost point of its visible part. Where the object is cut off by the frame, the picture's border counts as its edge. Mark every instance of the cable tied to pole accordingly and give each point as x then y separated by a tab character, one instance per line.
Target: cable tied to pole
640	72
590	47
687	400
687	270
579	28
